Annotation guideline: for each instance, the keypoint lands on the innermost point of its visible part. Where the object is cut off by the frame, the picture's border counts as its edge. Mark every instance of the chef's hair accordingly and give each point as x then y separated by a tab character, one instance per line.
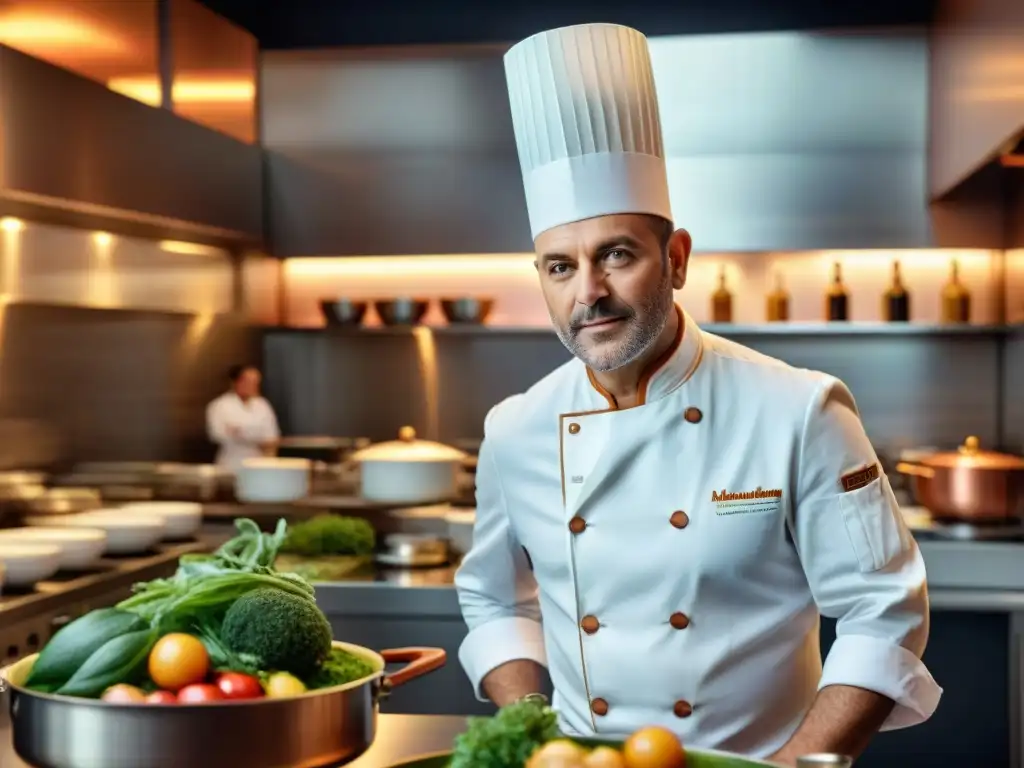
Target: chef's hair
663	229
235	371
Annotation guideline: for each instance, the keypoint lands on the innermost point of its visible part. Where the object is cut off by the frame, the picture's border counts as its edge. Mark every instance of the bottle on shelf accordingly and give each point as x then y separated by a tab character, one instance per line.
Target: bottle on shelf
721	301
777	309
956	300
837	298
896	300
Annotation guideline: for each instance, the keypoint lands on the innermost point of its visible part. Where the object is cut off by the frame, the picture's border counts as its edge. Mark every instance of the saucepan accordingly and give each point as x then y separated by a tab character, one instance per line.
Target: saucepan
969	484
409	470
326	727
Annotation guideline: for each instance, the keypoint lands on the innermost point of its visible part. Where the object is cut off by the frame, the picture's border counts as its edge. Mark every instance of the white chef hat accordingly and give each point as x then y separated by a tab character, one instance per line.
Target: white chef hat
585	116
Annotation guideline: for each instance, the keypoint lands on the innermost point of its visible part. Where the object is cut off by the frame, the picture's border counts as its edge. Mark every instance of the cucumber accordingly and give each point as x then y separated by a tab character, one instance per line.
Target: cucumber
119	661
74	644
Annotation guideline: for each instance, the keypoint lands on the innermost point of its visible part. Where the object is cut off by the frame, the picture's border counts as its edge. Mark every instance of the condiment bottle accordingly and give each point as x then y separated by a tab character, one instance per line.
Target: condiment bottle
721	301
777	304
837	299
896	300
956	300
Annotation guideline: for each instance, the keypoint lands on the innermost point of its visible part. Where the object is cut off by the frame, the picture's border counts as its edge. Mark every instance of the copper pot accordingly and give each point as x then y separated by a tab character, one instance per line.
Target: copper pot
969	484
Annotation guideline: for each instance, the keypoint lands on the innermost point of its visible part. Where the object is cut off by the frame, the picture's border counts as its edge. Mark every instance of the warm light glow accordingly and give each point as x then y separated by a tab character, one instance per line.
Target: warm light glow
189	249
102	239
9	224
425	266
185	91
39	34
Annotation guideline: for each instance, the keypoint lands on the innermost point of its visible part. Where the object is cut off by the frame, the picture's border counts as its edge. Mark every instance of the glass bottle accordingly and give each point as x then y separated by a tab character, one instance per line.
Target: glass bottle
721	301
777	309
956	300
896	300
837	298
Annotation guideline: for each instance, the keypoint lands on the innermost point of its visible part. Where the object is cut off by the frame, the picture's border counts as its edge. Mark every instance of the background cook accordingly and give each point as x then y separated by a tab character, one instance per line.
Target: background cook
241	422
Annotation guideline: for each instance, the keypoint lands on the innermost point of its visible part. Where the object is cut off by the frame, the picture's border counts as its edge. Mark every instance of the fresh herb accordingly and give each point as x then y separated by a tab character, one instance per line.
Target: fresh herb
340	667
506	740
330	535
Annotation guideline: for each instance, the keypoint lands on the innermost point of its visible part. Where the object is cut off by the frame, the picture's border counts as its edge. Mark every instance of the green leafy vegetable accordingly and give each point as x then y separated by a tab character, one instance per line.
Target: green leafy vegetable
506	740
120	660
340	667
330	535
72	646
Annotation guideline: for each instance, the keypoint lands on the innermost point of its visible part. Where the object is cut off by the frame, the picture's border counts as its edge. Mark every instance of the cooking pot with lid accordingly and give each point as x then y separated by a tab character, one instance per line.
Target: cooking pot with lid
969	484
409	470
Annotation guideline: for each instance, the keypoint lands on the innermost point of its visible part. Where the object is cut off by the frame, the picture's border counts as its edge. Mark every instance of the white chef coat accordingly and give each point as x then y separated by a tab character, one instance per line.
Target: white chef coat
255	421
668	562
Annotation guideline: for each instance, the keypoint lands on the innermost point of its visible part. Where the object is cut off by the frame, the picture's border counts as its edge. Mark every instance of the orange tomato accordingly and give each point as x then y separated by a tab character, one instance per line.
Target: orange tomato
560	753
654	748
178	660
123	694
604	757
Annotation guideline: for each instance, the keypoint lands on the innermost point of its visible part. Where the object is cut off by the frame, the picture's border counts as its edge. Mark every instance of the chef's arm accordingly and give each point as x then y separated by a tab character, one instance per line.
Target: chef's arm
217	428
503	654
866	571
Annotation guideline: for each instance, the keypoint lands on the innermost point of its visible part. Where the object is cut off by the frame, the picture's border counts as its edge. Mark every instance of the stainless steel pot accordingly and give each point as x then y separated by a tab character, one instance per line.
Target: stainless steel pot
969	484
328	727
408	470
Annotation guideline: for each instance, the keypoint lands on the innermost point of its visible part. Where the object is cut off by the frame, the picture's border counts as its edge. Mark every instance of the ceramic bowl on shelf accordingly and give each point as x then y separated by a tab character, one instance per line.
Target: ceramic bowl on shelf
181	518
127	533
25	564
80	548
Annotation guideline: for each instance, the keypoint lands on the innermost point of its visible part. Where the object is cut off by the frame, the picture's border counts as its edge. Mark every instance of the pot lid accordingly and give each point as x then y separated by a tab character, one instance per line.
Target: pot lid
408	448
970	454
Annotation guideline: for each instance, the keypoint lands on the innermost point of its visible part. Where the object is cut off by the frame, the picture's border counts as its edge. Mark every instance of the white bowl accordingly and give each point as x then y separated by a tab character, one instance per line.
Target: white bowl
269	480
181	518
25	564
79	547
127	534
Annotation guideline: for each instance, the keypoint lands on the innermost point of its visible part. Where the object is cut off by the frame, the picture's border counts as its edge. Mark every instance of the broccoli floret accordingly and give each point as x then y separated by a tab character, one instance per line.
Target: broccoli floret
506	740
282	631
330	535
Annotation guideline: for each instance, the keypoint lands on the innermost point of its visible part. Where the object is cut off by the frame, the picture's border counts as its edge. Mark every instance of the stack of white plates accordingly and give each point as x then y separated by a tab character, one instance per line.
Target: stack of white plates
79	547
24	564
181	518
127	533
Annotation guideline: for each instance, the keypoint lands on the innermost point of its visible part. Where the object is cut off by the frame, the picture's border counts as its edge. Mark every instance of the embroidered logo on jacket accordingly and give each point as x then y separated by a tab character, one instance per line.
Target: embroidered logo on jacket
746	502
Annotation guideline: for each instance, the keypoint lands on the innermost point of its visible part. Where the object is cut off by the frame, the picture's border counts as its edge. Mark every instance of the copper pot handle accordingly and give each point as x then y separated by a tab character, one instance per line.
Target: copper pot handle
917	470
420	662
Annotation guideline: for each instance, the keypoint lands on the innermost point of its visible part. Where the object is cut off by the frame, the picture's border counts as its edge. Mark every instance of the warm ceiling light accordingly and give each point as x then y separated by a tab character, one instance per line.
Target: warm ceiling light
148	91
189	249
11	225
102	239
49	34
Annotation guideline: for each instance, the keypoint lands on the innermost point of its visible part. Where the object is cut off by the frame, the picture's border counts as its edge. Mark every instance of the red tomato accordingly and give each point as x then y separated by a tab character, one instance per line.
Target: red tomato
161	697
235	685
200	693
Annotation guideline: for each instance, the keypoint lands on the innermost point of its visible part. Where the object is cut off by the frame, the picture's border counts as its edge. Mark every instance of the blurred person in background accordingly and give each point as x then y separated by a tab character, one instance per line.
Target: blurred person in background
241	422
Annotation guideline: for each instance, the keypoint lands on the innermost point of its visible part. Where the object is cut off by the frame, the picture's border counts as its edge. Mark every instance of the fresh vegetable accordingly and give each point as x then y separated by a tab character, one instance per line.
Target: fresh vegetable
72	646
235	685
604	757
161	697
123	694
654	748
178	660
506	740
199	693
560	753
340	667
278	629
330	535
120	660
281	685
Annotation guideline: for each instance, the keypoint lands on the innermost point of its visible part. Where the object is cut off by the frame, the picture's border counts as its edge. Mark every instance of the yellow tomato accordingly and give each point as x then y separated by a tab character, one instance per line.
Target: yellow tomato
654	748
560	753
123	694
178	660
281	685
605	757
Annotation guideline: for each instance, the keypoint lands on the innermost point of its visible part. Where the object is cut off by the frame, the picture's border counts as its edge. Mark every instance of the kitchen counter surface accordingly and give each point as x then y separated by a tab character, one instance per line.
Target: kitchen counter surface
399	737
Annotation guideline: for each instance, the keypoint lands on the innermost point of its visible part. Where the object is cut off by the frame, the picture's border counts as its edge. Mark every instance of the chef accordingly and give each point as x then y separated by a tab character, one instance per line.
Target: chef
240	421
661	521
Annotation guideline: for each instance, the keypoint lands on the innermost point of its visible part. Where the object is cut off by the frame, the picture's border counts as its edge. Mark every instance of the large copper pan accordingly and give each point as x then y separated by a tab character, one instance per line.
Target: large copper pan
969	485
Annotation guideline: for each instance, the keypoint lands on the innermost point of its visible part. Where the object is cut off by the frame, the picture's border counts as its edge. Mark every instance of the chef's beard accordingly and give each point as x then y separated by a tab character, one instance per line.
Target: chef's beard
643	327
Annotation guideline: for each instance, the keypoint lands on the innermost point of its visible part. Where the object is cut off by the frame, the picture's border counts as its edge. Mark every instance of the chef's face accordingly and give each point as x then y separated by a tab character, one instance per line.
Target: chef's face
248	383
608	283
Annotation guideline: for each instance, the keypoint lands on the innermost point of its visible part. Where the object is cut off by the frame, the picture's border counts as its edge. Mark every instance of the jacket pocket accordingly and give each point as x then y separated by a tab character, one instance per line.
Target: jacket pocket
871	515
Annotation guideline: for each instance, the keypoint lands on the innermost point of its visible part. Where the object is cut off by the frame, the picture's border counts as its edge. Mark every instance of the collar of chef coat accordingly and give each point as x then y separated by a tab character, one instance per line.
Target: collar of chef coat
669	371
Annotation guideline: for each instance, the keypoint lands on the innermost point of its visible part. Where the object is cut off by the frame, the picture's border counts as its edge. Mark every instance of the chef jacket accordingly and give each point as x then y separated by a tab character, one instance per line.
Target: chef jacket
668	562
255	421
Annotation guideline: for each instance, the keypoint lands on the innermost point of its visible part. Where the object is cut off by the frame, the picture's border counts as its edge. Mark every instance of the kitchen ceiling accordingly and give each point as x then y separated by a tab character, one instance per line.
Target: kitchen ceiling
315	23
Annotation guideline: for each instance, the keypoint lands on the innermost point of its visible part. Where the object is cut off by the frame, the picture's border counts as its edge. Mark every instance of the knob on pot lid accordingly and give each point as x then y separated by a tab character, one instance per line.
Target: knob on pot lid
408	448
971	454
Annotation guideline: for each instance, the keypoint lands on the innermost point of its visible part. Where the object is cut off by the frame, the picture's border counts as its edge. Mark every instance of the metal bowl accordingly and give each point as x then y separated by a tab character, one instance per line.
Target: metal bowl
467	310
401	311
65	501
336	724
343	311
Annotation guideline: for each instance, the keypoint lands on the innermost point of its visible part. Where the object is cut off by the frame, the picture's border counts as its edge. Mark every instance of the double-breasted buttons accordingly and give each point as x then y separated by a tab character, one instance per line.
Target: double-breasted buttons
679	620
599	707
577	524
574	428
679	519
682	708
590	624
693	415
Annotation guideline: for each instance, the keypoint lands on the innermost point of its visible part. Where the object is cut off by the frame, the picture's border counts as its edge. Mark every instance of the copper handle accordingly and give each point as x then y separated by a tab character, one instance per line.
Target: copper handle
917	470
420	662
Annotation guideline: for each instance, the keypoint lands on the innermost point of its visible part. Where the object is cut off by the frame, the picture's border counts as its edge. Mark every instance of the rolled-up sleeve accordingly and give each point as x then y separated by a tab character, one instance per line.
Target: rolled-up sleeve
496	589
863	566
